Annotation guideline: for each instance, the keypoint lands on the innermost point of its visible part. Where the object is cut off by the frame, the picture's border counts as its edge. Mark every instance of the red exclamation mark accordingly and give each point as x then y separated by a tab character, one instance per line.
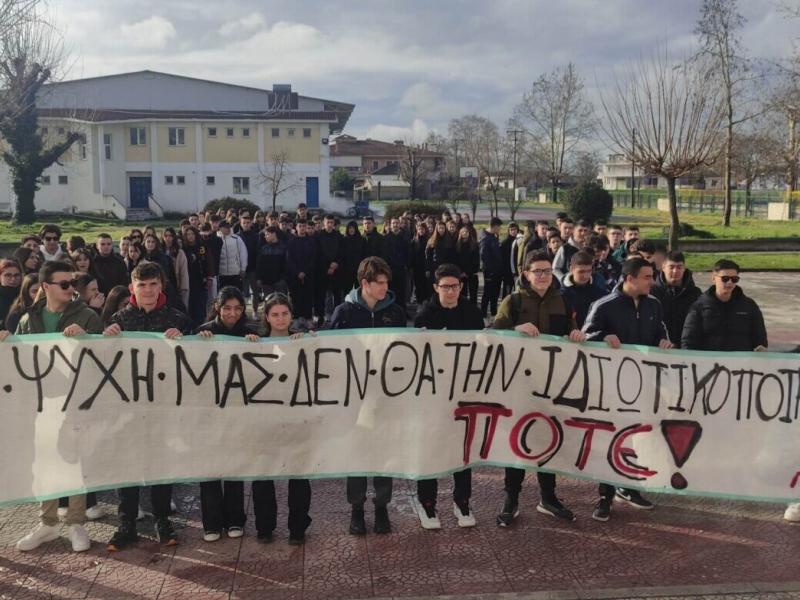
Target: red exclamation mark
682	437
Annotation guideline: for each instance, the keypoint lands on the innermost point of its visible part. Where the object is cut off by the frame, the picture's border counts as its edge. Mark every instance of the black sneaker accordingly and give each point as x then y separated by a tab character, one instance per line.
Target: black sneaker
357	524
165	532
124	536
265	537
382	524
554	508
510	511
602	510
634	498
297	539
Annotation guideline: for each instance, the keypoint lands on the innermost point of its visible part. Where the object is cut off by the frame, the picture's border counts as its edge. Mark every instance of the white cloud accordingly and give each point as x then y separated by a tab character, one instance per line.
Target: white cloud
244	25
415	133
153	33
427	102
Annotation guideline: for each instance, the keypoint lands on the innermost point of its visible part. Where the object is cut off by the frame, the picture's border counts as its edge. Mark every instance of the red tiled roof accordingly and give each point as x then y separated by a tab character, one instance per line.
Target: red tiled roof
351	147
102	114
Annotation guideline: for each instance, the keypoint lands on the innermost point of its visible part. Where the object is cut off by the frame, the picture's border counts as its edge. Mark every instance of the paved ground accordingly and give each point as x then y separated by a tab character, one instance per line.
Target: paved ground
687	547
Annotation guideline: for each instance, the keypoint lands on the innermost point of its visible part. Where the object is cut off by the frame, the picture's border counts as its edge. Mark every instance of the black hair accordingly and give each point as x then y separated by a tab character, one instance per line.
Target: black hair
632	266
447	270
676	256
537	256
725	264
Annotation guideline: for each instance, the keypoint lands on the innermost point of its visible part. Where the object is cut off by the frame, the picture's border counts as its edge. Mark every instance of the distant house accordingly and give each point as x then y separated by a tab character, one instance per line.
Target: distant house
155	142
384	184
615	174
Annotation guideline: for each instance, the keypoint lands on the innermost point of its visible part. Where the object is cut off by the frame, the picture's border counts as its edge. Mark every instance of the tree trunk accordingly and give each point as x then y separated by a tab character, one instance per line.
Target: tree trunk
555	190
674	226
25	191
748	207
726	211
274	200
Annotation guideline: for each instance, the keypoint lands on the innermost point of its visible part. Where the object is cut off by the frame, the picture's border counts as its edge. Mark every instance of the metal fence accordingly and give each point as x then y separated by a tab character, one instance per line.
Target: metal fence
707	201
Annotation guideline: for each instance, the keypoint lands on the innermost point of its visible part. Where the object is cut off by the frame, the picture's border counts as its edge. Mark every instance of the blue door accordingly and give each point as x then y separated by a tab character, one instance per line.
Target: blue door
312	192
140	189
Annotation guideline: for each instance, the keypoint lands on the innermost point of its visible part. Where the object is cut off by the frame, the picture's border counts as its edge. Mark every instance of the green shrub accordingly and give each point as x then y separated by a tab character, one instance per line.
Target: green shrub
395	209
228	202
589	201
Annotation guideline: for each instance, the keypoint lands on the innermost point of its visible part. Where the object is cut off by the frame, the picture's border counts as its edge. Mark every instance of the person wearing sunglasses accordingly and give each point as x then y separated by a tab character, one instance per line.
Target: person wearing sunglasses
59	311
723	318
51	248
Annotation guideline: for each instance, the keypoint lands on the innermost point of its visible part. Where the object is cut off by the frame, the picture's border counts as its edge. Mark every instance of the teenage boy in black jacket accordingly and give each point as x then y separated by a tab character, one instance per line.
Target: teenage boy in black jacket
330	247
371	305
677	292
629	315
147	311
447	309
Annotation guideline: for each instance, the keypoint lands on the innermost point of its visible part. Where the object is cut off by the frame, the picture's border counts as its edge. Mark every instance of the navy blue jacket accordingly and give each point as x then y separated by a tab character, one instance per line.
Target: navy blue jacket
301	254
580	297
491	255
271	267
353	313
618	315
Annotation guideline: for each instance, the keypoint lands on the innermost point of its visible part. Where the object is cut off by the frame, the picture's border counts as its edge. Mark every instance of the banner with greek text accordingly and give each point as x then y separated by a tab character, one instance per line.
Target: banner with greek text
96	413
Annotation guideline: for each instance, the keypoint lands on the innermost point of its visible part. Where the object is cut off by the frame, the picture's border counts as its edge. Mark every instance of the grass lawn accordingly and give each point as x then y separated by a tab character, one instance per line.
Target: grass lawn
83	226
749	261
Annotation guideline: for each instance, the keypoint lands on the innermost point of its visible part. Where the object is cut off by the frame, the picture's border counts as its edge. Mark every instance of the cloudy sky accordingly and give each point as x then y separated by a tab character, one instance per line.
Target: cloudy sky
407	66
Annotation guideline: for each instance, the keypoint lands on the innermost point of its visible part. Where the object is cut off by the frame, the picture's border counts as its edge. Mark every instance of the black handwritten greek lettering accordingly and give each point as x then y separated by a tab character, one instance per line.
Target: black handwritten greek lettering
600	368
681	367
234	381
707	408
760	410
252	358
182	363
75	370
787	418
518	438
580	402
700	385
590	426
470	412
659	367
637	385
352	374
302	371
426	371
108	376
552	350
481	370
147	378
500	357
319	375
622	458
389	350
38	374
456	359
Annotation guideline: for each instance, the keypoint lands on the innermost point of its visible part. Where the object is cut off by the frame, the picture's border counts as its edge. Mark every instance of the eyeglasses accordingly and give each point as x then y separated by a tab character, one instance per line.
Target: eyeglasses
64	285
50	238
727	278
450	287
541	272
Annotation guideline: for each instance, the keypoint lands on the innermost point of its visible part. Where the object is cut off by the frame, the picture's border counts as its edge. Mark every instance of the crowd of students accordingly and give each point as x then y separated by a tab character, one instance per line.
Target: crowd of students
579	280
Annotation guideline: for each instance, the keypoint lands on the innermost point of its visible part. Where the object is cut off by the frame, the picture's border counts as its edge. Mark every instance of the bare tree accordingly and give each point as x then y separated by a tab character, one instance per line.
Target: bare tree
586	167
414	170
677	113
277	177
756	155
719	28
31	54
557	117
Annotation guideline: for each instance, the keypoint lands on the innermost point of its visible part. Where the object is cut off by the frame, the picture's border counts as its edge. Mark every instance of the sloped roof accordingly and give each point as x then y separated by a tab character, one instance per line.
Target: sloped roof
105	115
348	146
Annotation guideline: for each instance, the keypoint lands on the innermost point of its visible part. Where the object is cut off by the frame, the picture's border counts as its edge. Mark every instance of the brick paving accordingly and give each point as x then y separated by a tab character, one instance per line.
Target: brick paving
683	542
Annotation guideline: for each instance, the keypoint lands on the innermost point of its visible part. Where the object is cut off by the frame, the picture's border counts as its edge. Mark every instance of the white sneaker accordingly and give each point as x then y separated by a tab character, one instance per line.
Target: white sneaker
79	538
235	532
428	517
464	519
792	513
95	512
142	515
62	512
172	506
211	536
43	533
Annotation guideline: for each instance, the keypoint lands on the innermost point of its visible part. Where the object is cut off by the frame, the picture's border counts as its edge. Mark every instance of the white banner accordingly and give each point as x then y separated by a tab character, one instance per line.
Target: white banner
97	413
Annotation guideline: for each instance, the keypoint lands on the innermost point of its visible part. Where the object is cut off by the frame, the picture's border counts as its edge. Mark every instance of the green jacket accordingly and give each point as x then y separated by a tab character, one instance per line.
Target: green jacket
549	313
76	312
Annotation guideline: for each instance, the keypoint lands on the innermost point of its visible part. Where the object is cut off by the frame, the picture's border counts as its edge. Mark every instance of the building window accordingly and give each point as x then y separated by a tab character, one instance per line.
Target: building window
45	179
241	185
276	132
82	150
181	180
306	132
44	130
374	165
107	145
61	131
229	132
177	136
138	136
212	132
63	180
290	132
211	180
168	179
245	132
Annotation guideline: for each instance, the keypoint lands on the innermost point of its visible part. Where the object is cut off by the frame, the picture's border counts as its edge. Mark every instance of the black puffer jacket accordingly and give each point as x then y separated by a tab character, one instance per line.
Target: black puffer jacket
618	315
161	318
354	313
676	302
217	327
724	326
465	316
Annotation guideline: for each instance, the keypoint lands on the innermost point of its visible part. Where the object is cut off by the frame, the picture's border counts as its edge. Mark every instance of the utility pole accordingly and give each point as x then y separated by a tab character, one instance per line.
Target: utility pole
515	133
633	169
